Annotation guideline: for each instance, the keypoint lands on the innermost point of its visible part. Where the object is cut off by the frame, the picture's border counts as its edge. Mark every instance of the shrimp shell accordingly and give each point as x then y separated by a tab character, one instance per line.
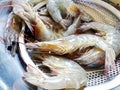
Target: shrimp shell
68	74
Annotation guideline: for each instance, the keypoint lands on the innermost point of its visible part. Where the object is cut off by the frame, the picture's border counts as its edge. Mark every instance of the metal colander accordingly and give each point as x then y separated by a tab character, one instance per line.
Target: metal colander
97	77
94	77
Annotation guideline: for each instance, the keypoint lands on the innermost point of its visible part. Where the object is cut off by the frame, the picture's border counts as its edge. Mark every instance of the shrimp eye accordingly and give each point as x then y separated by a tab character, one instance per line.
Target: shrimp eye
45	69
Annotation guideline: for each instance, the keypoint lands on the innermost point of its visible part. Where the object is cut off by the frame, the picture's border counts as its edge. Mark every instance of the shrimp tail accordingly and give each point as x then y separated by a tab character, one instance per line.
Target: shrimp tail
109	56
109	60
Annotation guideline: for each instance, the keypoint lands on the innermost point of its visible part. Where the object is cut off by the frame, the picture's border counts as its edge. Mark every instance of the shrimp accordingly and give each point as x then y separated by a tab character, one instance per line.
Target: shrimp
66	74
58	7
25	11
69	44
110	34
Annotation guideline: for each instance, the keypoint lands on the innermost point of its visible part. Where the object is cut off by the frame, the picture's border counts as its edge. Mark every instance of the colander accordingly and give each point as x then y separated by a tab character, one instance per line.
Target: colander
96	79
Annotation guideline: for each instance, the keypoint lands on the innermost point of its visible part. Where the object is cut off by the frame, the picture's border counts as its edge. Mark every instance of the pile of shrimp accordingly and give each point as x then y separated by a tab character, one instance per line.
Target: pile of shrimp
61	38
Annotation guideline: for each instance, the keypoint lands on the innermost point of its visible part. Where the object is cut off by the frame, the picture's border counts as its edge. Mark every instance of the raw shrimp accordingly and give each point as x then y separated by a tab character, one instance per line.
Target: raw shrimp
57	8
66	74
108	32
111	35
71	43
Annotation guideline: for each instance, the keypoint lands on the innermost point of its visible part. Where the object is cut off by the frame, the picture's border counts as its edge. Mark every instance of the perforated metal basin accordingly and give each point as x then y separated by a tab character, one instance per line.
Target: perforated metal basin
96	79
